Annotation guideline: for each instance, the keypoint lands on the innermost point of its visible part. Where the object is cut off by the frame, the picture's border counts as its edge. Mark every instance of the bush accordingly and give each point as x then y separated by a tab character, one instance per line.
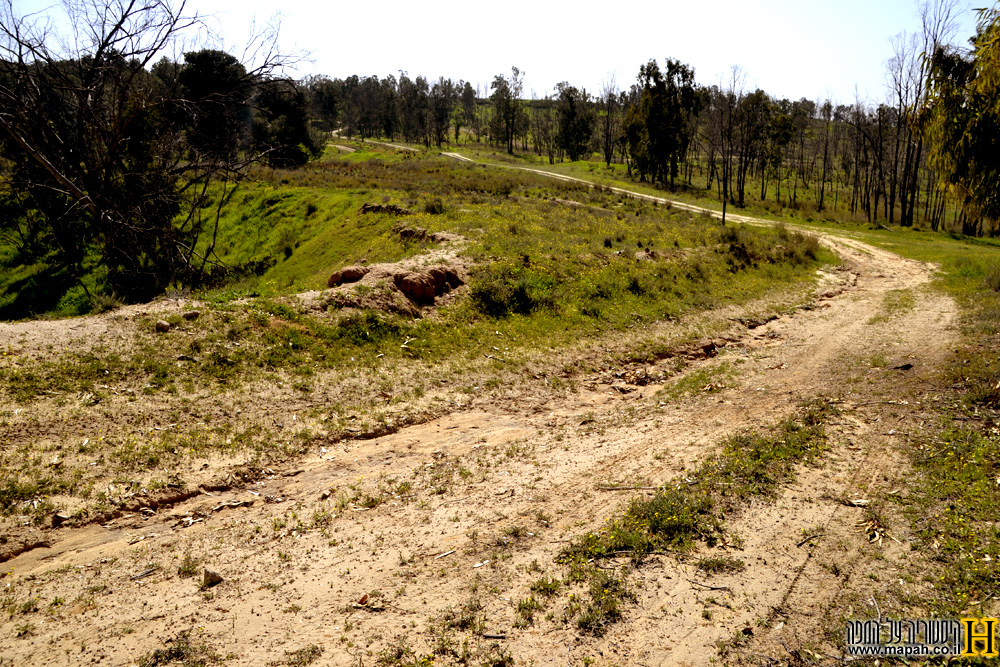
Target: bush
501	290
993	277
434	206
366	327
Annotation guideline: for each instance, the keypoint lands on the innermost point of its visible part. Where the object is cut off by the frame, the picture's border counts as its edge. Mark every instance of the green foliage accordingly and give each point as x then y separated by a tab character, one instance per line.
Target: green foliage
963	117
576	121
499	290
107	164
608	595
955	513
659	128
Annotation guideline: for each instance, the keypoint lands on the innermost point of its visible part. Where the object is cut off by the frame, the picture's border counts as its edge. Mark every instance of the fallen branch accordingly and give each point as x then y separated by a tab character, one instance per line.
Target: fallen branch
711	588
146	573
811	537
628	488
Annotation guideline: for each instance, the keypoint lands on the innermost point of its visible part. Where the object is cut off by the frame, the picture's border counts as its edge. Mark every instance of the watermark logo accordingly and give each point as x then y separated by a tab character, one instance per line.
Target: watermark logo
980	638
961	638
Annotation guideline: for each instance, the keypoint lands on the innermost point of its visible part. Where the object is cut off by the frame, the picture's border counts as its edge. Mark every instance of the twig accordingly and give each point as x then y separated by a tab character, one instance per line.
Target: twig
144	574
711	588
810	538
857	405
629	488
490	356
446	553
486	636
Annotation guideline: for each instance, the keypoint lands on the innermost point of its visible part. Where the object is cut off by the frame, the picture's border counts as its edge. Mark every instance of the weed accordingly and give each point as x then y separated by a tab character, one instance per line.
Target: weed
468	617
189	566
182	650
526	609
608	595
546	586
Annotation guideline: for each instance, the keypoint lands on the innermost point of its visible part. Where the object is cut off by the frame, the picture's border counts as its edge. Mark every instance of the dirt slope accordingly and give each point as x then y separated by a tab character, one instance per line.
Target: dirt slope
470	508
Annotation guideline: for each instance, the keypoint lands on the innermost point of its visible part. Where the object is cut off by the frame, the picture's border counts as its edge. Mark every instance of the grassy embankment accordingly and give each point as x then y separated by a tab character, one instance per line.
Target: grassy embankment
543	276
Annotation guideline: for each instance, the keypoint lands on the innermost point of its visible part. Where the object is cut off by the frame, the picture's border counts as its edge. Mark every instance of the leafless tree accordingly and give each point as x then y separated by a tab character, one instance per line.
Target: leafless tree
611	122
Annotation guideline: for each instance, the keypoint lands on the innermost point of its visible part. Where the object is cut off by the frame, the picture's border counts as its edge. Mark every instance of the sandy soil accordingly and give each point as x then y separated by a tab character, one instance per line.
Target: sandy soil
475	504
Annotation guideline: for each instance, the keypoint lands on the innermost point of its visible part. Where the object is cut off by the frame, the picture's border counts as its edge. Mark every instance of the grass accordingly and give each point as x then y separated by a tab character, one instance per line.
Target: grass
182	650
689	511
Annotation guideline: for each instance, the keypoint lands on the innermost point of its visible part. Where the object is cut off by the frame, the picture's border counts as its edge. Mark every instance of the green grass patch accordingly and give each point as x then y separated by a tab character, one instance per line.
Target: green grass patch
688	511
692	510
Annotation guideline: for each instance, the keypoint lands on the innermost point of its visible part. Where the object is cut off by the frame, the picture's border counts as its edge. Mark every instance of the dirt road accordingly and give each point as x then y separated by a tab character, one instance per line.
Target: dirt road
369	548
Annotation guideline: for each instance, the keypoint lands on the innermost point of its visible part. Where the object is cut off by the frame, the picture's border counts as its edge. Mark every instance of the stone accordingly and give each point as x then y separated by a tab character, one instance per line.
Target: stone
59	519
191	315
348	274
418	287
210	578
162	326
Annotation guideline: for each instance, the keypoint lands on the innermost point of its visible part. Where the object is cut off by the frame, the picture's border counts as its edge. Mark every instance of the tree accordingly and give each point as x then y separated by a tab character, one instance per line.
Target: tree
610	121
963	120
659	128
469	115
576	121
218	86
112	166
508	110
441	102
324	99
281	133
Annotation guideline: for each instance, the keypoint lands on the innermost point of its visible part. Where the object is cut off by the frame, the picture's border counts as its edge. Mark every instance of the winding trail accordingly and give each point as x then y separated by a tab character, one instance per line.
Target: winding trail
475	505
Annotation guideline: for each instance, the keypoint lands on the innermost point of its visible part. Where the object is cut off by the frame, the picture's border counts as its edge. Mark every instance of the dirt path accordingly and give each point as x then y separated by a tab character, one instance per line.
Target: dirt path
368	546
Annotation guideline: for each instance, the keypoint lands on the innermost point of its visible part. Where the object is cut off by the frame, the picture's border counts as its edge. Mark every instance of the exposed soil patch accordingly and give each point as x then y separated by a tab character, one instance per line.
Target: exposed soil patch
363	546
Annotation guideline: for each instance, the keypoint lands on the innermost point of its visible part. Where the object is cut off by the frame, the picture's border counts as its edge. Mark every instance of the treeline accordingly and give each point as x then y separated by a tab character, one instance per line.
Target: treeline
874	160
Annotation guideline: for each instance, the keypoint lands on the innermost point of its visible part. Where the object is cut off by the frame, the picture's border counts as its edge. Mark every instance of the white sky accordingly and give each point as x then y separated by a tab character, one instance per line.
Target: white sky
790	48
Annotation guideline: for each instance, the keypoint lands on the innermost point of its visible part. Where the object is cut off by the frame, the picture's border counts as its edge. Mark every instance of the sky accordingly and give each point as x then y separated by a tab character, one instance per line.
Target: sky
789	48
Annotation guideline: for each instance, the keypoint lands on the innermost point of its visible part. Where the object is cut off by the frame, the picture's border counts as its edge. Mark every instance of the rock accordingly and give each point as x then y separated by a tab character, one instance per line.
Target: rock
393	209
411	233
439	275
210	578
59	519
348	274
162	326
418	287
444	237
184	357
454	280
191	315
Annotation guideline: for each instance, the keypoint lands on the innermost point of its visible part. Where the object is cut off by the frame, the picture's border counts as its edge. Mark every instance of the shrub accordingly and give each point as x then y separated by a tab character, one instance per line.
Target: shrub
500	290
993	277
434	206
